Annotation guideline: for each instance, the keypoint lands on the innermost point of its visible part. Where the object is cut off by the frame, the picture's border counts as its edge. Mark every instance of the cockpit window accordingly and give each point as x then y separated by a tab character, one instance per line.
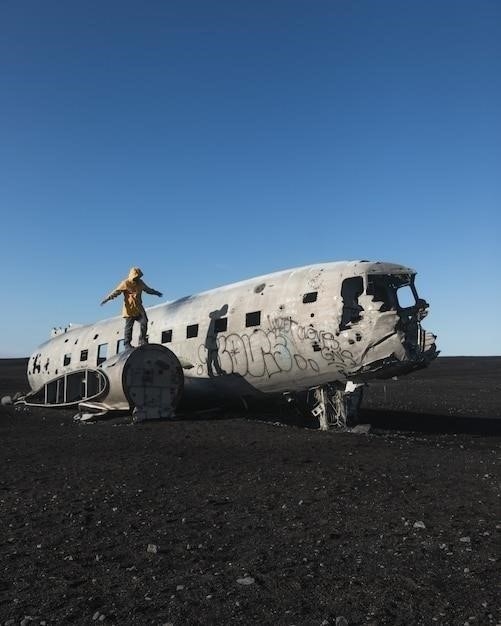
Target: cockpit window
351	289
395	291
405	297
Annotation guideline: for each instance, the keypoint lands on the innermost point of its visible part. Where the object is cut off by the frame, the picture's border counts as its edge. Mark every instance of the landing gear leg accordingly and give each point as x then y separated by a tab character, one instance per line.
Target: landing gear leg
335	407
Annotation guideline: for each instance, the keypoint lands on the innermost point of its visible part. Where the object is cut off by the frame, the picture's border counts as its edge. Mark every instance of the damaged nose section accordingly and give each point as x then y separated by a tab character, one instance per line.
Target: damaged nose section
382	318
390	318
392	343
399	345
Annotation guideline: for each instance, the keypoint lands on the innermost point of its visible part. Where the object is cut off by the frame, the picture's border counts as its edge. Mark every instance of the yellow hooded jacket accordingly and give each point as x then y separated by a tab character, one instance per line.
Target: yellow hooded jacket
131	288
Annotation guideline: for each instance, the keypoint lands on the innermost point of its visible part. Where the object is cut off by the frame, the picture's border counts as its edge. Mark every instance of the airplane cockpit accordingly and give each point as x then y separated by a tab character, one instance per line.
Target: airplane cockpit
395	291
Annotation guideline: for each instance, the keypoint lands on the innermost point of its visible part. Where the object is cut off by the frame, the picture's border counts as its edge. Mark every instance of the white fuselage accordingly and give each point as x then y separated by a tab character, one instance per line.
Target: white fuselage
286	331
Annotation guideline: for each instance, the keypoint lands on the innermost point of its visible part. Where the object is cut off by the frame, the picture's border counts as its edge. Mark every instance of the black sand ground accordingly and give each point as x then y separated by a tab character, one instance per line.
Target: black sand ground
240	521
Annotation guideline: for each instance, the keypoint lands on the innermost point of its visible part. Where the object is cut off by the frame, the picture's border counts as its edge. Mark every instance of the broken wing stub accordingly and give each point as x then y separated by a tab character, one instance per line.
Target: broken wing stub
148	381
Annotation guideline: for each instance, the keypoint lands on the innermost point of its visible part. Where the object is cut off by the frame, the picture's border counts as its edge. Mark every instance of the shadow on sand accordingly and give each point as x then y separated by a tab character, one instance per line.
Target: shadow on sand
380	420
432	424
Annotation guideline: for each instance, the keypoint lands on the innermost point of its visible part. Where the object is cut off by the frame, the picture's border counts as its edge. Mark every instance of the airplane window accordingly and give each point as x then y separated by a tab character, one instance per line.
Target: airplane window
191	331
378	288
166	336
220	324
394	291
102	352
310	297
405	297
84	355
67	359
120	346
253	319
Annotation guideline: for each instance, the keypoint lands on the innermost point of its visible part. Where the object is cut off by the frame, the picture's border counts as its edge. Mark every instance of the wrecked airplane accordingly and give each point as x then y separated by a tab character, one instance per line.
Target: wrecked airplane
318	333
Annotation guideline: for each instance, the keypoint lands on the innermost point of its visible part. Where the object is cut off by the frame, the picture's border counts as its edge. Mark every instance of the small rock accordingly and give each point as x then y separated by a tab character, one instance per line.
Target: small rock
152	548
96	616
419	524
465	540
179	587
361	429
6	400
341	621
246	580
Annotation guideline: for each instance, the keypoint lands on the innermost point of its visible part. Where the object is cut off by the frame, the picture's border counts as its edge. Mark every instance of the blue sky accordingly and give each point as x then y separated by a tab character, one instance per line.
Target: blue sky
208	142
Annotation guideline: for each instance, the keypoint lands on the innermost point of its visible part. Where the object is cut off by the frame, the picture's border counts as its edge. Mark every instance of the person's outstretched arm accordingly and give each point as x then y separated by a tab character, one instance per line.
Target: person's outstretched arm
112	295
151	291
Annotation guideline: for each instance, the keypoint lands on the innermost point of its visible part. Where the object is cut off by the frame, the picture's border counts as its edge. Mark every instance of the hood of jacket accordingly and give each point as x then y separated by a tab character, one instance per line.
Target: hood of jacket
135	272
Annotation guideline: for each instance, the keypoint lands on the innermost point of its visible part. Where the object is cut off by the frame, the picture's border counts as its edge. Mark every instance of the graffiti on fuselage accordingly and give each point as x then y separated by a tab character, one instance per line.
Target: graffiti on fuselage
36	364
269	352
322	341
260	353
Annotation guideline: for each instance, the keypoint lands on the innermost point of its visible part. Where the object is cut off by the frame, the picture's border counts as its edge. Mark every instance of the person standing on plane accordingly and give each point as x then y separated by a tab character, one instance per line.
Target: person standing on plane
133	309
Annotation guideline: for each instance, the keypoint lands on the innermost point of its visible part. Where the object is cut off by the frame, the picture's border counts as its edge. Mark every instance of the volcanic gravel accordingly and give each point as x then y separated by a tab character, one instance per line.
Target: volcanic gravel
250	518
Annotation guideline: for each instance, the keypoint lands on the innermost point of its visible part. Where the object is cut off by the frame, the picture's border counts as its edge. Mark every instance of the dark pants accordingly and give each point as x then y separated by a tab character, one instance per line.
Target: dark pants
129	323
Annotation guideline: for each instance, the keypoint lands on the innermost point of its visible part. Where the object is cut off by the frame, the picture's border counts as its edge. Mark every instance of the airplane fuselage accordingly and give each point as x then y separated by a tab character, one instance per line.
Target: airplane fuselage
283	332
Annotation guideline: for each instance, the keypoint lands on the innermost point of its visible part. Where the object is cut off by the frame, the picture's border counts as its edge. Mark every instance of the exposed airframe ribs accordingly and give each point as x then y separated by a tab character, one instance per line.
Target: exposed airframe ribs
69	389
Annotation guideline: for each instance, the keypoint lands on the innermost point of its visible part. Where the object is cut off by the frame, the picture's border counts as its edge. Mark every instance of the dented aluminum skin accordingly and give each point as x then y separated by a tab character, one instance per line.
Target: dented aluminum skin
286	332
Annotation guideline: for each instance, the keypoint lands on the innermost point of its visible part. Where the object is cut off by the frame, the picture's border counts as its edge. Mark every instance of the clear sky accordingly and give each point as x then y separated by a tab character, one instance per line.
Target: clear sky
210	141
